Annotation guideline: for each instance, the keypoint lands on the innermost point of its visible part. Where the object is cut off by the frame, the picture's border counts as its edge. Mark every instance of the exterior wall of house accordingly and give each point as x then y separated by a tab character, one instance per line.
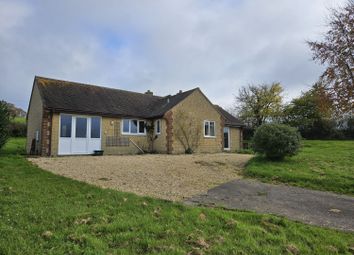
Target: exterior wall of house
112	127
235	137
199	109
34	121
160	142
55	135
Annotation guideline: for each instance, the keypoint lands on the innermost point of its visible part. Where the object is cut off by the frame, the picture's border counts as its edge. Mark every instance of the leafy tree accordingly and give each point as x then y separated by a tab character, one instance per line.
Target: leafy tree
311	113
276	141
257	104
337	52
187	131
4	123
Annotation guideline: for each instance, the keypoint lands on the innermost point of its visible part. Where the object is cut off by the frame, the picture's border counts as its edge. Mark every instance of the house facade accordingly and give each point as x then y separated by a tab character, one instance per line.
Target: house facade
68	118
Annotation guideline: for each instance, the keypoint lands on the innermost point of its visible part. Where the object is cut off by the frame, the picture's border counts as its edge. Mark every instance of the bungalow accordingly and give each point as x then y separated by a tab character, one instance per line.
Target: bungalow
69	118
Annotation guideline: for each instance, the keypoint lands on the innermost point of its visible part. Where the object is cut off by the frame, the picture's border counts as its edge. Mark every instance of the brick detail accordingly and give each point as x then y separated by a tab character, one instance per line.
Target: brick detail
169	131
46	132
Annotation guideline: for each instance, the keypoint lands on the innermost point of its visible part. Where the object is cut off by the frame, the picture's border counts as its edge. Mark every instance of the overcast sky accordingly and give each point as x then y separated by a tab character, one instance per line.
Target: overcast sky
163	46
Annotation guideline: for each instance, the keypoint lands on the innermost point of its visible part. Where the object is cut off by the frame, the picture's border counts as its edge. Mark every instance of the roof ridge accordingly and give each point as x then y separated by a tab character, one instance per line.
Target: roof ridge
93	85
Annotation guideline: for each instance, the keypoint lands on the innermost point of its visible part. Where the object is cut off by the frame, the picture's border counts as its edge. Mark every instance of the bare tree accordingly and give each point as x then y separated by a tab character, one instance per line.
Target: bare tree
151	136
187	131
337	52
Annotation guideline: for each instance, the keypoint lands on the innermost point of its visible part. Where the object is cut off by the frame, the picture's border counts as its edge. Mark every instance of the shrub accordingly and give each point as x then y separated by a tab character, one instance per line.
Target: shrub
4	123
188	151
17	129
276	141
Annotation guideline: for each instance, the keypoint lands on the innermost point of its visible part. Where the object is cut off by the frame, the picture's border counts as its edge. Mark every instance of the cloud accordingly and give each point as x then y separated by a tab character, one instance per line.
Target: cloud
160	45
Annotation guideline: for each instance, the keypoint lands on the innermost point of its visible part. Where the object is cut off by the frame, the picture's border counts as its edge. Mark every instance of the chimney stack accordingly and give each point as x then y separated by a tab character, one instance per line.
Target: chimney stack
148	92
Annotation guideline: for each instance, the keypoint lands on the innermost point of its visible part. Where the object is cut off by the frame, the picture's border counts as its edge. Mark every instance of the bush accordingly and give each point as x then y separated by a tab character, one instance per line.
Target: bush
188	151
276	141
4	123
17	129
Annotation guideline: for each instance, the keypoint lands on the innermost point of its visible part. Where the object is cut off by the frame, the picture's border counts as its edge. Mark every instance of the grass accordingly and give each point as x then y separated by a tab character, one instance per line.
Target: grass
19	120
41	213
321	165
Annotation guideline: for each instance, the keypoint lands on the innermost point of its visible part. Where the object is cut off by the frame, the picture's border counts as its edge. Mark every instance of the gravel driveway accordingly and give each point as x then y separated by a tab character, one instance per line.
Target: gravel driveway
171	177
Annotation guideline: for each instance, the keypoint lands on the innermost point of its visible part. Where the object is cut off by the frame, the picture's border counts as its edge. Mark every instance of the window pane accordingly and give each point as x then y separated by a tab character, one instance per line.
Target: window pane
65	125
81	127
206	128
95	127
212	128
125	126
142	127
134	126
158	127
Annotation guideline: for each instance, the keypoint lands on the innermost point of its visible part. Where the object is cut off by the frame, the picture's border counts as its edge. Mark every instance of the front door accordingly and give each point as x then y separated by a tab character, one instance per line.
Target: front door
226	138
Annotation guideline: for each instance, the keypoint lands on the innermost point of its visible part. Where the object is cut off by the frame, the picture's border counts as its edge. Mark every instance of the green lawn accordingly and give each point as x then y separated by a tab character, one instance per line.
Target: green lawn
41	213
322	165
19	120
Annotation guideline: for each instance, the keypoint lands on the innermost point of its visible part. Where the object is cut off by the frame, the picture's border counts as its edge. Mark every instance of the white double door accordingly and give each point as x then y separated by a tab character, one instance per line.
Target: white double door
79	134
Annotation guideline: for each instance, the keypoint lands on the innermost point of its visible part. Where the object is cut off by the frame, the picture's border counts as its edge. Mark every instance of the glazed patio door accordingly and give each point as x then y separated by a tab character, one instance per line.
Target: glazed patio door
226	138
79	134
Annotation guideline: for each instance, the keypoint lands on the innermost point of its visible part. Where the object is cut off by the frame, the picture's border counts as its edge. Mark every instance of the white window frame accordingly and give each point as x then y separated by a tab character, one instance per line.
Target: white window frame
206	135
130	121
158	124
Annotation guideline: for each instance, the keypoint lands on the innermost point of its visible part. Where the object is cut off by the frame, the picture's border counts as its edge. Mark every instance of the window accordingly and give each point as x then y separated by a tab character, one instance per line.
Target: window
126	126
95	127
141	127
133	127
65	125
81	127
158	127
209	128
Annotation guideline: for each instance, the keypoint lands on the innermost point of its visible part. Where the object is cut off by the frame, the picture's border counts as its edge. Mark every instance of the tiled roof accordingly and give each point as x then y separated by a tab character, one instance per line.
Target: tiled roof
229	119
76	97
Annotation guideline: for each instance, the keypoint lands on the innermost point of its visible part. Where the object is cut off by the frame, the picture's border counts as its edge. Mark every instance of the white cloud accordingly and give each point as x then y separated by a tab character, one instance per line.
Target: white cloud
160	45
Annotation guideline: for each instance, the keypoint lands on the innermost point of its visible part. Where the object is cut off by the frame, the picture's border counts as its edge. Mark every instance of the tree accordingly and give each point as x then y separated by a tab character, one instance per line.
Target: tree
4	123
337	52
257	104
311	113
187	131
151	136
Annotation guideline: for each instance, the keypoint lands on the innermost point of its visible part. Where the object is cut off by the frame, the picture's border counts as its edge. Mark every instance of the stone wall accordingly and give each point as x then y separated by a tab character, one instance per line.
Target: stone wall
34	121
199	108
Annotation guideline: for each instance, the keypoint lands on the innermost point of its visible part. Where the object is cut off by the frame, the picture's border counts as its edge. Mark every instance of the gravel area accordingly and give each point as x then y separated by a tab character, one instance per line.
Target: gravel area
171	177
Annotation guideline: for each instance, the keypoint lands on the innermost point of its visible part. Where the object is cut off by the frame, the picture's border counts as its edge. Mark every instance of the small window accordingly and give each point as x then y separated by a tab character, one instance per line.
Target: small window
126	126
141	127
209	128
65	125
133	126
81	127
95	127
158	127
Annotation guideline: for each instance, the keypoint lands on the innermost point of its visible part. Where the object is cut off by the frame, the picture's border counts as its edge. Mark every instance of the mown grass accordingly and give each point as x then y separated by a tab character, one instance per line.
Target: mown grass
18	120
41	213
322	165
